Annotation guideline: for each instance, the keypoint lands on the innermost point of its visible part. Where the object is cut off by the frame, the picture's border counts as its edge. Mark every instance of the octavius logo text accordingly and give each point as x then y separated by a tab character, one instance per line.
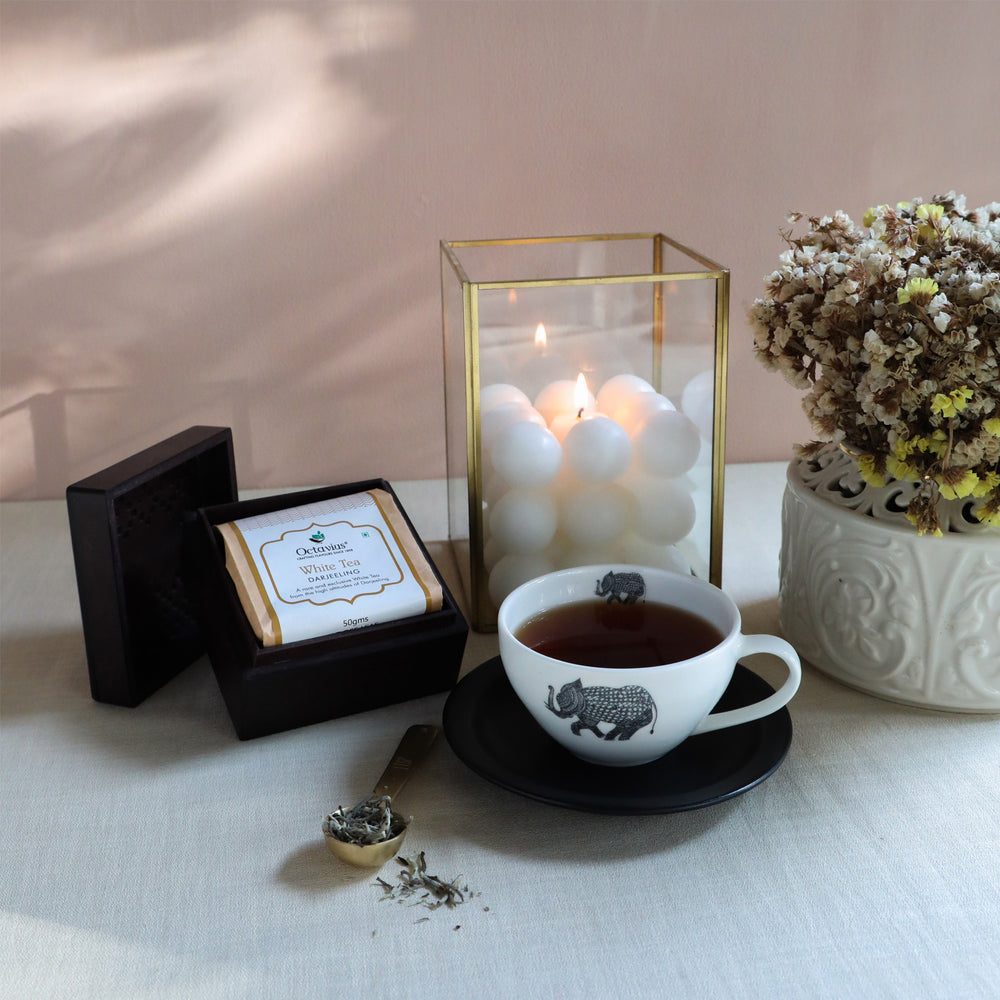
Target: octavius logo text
318	550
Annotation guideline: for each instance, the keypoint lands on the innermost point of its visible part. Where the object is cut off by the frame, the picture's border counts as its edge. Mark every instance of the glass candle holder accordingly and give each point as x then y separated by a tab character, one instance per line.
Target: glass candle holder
585	382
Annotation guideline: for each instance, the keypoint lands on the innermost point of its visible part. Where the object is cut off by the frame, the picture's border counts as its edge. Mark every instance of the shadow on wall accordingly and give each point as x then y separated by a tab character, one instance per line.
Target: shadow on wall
52	429
182	244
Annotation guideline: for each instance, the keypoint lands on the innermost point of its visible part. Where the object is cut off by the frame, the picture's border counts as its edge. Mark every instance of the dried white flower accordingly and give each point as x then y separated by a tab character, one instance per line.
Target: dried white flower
893	330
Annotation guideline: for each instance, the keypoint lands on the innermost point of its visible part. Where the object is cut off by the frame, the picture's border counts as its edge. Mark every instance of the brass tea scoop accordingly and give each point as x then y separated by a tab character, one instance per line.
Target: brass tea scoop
372	832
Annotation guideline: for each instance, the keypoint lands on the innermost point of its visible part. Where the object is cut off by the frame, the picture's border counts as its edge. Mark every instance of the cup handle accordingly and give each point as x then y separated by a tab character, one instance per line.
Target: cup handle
737	716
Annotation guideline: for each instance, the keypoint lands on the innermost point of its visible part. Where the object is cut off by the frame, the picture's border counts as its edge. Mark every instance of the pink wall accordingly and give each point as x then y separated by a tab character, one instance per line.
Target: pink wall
229	213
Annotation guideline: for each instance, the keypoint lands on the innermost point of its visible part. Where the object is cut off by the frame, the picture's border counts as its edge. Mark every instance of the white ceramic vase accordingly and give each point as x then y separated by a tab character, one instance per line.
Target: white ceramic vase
868	601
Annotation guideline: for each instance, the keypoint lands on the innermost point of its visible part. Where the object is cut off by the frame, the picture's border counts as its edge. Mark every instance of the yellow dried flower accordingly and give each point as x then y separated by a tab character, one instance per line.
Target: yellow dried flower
943	404
867	466
872	214
932	215
957	488
919	521
989	512
919	291
953	403
901	470
936	445
992	426
986	485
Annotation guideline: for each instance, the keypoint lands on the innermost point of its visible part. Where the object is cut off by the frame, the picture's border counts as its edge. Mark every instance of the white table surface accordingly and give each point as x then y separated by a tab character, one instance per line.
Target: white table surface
148	852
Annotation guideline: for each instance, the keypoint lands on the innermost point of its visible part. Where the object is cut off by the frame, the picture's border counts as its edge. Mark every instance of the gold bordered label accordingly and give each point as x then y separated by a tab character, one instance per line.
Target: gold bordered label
328	567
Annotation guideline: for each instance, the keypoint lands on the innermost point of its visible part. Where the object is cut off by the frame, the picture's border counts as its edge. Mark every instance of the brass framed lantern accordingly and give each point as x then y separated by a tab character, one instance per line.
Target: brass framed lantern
585	396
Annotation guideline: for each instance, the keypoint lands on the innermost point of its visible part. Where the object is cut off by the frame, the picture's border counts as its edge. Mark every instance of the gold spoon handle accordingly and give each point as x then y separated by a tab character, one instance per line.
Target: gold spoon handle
412	749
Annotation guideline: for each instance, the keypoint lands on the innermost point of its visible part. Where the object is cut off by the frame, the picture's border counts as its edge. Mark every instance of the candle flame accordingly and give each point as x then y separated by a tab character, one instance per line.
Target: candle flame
580	395
541	340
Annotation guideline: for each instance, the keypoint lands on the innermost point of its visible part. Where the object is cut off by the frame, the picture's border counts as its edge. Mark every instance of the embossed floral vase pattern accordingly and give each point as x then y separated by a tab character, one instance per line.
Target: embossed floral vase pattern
868	601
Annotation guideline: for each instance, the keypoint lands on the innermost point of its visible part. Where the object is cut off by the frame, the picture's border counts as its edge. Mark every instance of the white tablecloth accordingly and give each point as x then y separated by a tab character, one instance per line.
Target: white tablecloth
149	853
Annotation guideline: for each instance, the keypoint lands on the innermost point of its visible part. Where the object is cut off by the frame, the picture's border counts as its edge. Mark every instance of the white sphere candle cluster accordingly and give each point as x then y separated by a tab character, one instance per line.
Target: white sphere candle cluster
571	478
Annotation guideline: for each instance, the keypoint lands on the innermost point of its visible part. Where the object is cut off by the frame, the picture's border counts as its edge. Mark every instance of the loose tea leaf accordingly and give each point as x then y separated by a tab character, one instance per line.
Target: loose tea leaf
369	822
423	889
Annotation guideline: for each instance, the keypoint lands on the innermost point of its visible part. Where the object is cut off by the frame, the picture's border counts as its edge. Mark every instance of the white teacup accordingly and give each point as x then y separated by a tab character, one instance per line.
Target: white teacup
632	715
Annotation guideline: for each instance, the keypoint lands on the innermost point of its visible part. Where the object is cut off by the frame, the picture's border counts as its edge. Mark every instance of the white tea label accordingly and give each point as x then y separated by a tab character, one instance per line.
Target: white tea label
338	561
327	567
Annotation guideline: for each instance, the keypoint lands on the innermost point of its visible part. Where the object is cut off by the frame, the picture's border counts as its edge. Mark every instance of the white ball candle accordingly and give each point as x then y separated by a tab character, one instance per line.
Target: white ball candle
513	570
562	423
593	516
666	443
562	397
598	555
526	454
523	521
698	401
664	511
503	415
597	449
639	551
583	406
493	486
492	554
633	410
493	395
617	389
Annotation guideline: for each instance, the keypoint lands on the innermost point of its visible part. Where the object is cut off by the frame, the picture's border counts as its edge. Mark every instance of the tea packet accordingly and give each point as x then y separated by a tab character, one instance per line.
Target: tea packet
327	567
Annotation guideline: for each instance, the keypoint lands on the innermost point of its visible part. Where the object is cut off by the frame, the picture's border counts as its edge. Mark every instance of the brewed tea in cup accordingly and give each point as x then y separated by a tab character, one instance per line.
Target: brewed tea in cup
622	664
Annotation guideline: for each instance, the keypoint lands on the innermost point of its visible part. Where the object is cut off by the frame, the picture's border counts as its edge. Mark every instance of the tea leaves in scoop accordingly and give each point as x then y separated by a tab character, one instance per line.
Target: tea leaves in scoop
371	821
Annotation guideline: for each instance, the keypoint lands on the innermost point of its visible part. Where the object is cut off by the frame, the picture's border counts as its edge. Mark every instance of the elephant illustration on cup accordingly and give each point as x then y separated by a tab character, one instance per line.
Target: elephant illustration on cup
626	588
626	709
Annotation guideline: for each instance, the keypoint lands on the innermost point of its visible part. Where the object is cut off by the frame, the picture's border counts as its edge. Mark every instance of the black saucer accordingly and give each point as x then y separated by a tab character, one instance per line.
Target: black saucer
494	735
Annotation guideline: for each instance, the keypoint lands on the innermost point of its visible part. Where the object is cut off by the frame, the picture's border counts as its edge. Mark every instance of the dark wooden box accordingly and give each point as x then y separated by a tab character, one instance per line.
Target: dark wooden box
155	595
127	525
268	689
